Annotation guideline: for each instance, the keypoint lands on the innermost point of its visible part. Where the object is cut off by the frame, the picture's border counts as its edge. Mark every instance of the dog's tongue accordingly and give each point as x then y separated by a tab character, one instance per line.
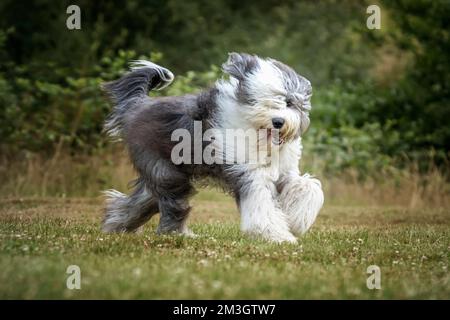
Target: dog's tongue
274	137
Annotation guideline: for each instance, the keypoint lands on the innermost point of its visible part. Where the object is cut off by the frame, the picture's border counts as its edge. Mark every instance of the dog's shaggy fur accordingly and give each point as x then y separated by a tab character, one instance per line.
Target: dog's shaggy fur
274	200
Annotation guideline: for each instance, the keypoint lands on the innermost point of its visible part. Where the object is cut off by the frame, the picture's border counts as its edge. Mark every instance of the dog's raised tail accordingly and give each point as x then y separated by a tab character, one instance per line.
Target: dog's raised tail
131	88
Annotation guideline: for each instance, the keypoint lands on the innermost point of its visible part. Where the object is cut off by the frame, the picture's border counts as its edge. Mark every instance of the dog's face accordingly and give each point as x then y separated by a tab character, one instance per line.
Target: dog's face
272	95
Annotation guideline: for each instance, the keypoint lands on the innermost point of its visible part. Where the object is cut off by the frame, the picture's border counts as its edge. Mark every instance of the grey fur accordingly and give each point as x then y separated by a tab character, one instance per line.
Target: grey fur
127	213
293	84
131	89
146	126
240	66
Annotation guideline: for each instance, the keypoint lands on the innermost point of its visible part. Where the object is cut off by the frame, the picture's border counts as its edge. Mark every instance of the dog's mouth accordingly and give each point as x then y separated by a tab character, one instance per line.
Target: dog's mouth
274	137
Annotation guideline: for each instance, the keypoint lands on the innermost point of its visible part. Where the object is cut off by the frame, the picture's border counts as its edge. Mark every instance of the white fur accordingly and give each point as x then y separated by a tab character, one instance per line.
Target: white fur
266	82
165	74
264	211
112	130
275	201
117	216
120	213
301	197
260	213
301	200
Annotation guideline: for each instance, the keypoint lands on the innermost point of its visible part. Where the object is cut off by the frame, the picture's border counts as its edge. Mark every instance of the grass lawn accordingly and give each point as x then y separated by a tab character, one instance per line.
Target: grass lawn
40	238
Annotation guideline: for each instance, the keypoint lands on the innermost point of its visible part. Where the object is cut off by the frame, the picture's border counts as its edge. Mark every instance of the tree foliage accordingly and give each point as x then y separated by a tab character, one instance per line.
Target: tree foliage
50	76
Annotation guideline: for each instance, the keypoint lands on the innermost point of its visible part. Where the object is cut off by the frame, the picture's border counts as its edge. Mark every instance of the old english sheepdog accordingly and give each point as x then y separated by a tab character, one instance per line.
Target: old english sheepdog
275	201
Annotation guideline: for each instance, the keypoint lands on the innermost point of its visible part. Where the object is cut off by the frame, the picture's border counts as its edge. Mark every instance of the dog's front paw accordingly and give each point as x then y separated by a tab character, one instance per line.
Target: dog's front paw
288	238
301	200
272	235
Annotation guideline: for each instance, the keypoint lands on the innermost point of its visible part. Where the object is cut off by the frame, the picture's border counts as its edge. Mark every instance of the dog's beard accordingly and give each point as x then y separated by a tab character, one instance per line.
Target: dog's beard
278	137
260	115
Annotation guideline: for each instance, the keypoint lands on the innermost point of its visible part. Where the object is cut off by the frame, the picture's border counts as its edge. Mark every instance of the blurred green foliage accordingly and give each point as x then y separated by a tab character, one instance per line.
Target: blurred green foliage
362	118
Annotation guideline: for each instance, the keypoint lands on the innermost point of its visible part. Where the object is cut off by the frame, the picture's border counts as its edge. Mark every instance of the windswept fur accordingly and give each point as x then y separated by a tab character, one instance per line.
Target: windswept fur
274	200
131	89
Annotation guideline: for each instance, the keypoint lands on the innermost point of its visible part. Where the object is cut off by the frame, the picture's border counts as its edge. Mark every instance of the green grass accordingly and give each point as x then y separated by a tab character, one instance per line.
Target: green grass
40	238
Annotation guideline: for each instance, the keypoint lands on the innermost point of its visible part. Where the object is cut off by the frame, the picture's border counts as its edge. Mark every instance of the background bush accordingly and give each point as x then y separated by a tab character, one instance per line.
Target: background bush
381	96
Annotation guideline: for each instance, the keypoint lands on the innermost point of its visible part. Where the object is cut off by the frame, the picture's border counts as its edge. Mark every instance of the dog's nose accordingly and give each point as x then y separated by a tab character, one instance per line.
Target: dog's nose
277	122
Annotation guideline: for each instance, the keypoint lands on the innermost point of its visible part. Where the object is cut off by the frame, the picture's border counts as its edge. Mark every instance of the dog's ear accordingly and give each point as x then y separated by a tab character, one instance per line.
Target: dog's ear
239	65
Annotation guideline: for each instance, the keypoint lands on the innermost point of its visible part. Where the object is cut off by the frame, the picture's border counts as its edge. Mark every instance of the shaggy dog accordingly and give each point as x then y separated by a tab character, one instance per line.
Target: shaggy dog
274	200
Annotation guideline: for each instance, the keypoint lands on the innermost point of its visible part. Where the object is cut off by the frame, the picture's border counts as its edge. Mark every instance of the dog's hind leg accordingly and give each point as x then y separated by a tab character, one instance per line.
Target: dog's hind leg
127	213
174	214
174	189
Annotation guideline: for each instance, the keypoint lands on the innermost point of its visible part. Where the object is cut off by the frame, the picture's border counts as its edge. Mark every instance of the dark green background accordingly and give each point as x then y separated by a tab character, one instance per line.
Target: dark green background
380	96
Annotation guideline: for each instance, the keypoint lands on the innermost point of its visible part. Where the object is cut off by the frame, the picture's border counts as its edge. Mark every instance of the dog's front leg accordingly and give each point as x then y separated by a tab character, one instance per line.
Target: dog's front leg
301	198
261	214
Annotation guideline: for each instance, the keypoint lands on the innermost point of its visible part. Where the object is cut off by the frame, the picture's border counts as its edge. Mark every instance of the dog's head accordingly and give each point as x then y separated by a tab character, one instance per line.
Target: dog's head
271	95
